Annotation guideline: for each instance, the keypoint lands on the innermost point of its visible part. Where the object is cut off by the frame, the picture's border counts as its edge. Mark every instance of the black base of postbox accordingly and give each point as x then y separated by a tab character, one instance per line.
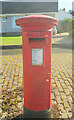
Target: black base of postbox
39	114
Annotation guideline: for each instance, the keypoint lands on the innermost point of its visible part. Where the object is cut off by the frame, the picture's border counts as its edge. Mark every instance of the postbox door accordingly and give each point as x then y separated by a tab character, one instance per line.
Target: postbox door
39	76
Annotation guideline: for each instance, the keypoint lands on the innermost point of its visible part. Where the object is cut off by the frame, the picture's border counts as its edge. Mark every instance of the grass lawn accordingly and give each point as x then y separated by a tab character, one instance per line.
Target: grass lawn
11	40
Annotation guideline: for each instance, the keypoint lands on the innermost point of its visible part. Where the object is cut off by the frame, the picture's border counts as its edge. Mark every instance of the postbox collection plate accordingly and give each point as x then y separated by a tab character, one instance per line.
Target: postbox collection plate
37	56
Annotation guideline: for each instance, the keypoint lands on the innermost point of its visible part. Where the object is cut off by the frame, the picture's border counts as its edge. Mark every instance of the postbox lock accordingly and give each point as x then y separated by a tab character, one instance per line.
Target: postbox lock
49	74
47	80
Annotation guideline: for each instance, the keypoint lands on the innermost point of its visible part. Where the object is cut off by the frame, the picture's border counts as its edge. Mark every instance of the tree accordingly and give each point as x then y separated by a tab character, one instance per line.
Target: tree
72	13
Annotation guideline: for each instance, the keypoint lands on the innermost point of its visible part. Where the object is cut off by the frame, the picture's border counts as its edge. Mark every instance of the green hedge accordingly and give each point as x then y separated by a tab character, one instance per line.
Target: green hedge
67	25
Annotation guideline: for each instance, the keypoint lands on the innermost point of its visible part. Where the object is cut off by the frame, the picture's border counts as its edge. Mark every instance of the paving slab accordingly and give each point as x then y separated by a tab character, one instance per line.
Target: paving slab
12	78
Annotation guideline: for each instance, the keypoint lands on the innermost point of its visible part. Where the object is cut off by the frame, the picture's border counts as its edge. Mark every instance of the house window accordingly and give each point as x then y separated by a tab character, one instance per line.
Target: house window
13	21
4	19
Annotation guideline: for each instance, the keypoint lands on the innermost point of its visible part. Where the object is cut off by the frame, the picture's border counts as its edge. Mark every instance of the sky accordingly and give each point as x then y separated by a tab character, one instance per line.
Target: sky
65	4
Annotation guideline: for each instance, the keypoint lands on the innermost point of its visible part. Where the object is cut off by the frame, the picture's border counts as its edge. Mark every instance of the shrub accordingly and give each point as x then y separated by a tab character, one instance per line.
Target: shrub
66	25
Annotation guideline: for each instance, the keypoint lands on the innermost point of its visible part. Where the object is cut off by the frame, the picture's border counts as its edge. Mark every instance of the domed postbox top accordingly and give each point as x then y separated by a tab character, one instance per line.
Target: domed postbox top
36	23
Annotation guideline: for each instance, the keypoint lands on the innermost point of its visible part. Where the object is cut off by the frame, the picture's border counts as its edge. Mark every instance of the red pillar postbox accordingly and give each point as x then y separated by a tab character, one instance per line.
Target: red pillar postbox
37	48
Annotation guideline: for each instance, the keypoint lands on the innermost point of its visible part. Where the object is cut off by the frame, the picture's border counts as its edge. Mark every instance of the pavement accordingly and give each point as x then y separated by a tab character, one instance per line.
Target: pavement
62	81
11	80
62	38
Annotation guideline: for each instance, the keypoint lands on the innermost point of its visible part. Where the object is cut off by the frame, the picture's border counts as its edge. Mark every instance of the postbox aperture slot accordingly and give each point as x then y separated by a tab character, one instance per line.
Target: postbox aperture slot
37	57
36	39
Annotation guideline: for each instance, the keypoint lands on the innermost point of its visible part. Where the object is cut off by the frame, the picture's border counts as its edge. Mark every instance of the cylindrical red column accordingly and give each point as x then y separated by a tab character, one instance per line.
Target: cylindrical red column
37	51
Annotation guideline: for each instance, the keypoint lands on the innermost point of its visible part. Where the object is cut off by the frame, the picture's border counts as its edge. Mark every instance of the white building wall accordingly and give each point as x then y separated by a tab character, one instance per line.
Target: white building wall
73	5
9	25
0	25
